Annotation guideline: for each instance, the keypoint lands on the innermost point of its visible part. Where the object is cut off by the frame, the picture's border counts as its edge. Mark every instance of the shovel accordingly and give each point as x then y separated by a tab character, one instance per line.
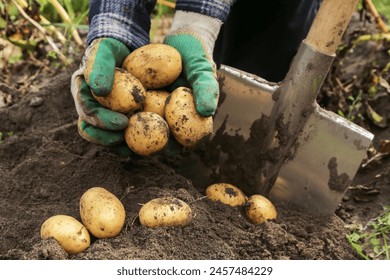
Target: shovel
274	139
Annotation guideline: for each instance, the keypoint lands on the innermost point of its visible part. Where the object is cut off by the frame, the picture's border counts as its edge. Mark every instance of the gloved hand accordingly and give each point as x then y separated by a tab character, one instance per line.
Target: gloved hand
96	73
194	35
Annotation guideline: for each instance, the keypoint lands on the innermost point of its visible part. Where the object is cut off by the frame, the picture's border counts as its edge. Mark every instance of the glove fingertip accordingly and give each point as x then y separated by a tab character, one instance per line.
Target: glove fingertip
120	122
100	85
205	110
110	120
206	98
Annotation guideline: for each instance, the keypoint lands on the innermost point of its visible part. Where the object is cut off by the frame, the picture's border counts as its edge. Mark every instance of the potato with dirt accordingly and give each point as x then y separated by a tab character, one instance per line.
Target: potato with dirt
126	96
258	209
155	101
155	65
186	125
102	212
165	212
147	133
72	235
226	194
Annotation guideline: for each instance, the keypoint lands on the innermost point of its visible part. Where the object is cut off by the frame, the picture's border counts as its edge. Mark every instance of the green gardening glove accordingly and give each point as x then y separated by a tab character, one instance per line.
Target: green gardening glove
96	74
194	35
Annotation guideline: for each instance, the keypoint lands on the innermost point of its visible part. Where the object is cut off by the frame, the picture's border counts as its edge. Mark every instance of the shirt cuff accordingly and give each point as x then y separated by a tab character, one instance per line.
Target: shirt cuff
126	21
214	8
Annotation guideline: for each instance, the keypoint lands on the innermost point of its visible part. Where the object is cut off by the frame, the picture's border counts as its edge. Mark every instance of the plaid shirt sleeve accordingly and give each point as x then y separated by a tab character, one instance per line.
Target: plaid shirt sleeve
214	8
125	20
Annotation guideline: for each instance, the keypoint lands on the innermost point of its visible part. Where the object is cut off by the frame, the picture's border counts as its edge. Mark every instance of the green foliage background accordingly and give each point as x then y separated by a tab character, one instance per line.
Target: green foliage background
383	7
77	10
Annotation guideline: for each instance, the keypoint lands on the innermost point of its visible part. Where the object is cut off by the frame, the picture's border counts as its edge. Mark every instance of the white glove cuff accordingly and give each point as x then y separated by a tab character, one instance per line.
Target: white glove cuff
205	27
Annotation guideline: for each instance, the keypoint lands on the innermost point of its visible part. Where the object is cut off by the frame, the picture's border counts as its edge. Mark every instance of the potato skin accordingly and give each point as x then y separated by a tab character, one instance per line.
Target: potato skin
72	235
102	212
155	102
186	125
147	133
165	212
258	209
226	194
127	93
155	65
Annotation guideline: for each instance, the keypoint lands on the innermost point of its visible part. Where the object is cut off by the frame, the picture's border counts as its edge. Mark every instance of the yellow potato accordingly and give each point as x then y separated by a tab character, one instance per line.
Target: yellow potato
226	193
259	209
70	233
147	133
155	65
102	212
165	212
186	125
127	93
155	102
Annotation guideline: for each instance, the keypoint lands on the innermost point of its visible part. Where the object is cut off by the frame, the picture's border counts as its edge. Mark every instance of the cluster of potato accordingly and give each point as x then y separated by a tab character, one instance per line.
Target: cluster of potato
257	208
139	91
103	216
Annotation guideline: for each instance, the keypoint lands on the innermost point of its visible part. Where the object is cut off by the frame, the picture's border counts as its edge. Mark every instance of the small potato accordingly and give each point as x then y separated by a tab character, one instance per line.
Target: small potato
226	193
147	133
102	212
127	93
155	102
155	65
70	233
165	212
259	209
186	125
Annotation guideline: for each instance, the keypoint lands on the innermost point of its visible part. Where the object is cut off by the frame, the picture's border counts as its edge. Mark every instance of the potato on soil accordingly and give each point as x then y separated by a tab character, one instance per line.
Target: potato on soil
147	133
69	232
165	212
155	102
127	93
102	212
186	125
226	193
155	65
259	209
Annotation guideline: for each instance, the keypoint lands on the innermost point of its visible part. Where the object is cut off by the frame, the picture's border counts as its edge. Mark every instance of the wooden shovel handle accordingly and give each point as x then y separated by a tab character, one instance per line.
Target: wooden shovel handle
329	25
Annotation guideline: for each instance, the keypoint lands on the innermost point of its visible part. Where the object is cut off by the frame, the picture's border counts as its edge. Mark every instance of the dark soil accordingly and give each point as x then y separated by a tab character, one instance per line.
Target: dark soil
45	167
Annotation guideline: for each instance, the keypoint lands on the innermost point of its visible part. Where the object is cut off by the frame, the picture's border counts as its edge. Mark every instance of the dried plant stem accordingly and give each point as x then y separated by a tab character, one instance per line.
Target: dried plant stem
65	17
45	21
371	8
373	37
167	3
43	31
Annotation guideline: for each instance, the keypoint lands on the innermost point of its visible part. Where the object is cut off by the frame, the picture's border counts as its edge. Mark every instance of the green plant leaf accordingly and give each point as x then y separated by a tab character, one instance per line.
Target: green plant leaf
80	18
341	113
383	7
354	237
377	119
69	9
372	241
